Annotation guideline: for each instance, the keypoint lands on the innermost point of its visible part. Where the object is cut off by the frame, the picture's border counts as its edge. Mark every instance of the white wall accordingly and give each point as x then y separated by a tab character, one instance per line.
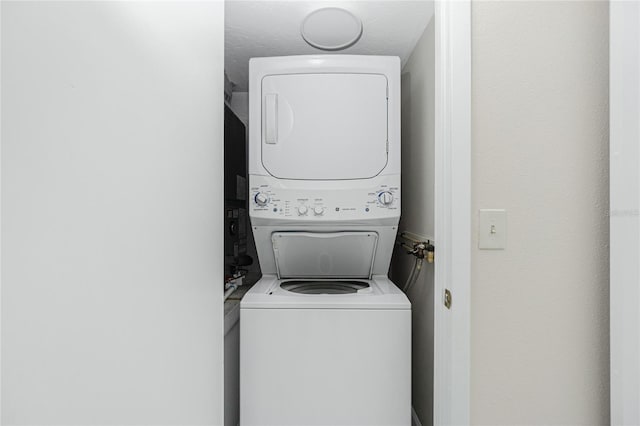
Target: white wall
418	142
540	150
111	213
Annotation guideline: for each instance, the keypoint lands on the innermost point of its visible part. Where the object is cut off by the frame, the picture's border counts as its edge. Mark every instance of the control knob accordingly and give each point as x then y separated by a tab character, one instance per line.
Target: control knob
386	198
318	210
261	199
302	210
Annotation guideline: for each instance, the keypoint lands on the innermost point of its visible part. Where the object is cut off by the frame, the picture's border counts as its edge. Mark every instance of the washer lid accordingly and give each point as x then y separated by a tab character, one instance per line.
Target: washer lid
324	254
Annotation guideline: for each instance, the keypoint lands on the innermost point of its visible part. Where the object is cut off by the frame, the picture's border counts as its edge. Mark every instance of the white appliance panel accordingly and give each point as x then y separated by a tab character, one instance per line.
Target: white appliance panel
329	126
382	294
274	200
325	367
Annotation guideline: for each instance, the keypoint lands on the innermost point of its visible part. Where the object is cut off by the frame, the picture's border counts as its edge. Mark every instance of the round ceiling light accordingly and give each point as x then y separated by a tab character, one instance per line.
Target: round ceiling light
331	28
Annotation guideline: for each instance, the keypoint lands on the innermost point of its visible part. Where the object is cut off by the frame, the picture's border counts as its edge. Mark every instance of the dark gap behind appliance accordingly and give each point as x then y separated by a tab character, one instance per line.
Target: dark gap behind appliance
236	219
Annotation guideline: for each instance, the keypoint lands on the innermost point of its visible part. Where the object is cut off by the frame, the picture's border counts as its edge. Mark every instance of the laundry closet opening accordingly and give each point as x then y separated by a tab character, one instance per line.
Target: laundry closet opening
352	258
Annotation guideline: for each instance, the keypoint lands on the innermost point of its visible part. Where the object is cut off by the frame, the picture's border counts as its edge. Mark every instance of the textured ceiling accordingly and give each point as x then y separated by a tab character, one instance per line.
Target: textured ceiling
272	28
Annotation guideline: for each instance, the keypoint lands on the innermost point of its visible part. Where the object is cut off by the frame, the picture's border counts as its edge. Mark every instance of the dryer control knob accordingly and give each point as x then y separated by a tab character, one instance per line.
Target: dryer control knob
385	198
302	210
318	210
261	199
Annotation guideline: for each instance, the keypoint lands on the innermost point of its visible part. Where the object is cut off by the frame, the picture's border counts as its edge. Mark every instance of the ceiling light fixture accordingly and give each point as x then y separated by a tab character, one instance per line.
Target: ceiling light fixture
331	28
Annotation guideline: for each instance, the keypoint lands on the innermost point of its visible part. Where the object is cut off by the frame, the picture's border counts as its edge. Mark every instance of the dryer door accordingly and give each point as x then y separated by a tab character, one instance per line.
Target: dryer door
324	126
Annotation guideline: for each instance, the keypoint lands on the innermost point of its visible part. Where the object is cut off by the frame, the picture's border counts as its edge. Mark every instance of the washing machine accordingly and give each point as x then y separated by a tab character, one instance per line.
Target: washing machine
325	336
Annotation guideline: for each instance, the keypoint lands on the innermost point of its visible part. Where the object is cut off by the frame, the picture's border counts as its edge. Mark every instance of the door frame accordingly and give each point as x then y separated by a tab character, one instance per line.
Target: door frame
624	217
452	345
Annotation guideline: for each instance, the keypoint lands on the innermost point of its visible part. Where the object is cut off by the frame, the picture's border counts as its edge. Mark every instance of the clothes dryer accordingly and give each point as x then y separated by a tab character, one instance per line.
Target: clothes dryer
325	335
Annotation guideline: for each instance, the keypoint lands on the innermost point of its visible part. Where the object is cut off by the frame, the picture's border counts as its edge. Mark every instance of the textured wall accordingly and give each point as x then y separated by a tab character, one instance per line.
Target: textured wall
111	212
540	150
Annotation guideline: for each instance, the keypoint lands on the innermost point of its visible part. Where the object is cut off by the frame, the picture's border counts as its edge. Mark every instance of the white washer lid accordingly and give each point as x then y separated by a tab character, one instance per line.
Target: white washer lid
324	254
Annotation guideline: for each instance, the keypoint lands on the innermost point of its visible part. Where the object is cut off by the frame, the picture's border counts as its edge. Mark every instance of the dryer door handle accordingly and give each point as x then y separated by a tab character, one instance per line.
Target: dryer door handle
271	118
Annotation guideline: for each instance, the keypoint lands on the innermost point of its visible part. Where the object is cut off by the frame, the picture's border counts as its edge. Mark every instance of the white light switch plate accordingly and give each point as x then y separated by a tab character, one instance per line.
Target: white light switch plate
492	229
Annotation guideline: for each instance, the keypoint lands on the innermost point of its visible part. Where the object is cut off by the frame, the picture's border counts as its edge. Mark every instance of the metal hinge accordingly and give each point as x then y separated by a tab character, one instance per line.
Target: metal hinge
447	298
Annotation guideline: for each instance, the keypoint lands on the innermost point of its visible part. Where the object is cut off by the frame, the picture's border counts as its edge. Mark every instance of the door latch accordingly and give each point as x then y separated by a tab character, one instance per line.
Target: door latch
447	298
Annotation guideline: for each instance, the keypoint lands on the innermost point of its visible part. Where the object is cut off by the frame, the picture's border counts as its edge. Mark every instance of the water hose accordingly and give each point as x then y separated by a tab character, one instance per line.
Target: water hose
413	276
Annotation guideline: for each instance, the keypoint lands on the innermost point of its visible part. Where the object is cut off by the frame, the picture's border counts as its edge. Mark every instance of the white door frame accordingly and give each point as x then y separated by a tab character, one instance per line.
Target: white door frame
624	219
452	212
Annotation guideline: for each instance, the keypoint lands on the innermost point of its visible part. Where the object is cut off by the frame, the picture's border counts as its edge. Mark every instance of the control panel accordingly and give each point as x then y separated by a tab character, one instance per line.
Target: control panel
270	198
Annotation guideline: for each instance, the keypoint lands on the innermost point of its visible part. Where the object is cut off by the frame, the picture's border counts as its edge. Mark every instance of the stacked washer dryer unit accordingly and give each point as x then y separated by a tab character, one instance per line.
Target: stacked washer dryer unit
325	335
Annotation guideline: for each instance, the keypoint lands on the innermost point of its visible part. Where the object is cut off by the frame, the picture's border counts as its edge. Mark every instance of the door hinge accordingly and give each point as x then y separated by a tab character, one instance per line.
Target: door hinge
447	298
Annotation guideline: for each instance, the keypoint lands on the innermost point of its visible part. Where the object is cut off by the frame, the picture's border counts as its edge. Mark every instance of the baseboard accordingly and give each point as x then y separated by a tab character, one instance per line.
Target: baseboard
415	421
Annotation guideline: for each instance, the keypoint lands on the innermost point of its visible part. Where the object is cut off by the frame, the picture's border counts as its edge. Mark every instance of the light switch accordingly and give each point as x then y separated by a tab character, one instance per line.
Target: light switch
492	229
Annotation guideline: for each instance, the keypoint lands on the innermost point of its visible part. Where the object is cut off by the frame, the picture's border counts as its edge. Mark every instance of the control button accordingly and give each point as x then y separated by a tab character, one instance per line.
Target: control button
302	210
261	199
318	210
385	198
